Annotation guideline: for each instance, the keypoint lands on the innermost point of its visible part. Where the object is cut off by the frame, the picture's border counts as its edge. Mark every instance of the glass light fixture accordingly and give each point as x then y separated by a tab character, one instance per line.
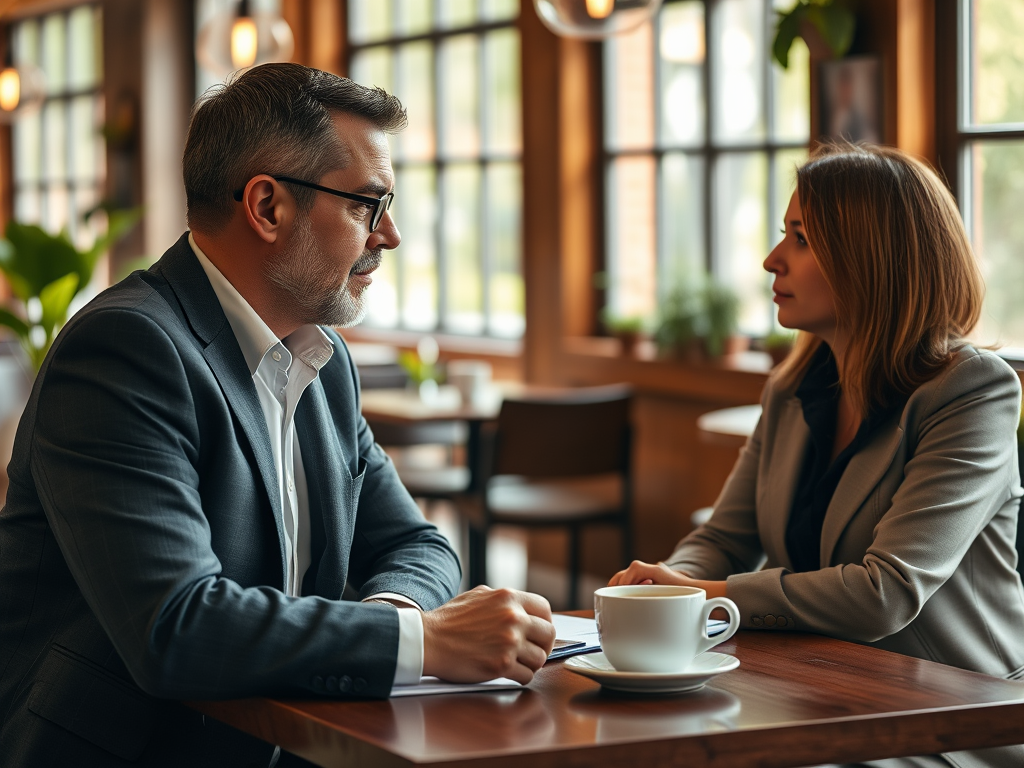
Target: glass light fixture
243	38
594	19
22	88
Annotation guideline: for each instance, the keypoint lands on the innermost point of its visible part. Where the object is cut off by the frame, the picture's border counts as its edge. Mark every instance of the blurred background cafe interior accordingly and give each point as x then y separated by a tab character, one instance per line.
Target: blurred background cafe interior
584	215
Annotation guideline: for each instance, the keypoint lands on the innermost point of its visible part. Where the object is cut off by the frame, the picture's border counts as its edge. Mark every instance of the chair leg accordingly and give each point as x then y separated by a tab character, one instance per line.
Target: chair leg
574	567
477	556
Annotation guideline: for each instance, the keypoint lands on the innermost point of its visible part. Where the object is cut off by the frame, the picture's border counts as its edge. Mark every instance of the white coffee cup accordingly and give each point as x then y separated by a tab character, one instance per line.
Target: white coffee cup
657	627
470	377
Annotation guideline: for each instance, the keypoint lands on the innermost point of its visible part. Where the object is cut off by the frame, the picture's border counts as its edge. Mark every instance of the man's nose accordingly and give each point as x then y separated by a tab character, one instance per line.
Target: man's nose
386	235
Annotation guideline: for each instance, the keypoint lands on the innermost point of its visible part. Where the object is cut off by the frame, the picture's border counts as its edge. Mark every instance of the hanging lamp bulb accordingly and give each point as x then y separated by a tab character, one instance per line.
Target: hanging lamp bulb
594	19
22	87
243	38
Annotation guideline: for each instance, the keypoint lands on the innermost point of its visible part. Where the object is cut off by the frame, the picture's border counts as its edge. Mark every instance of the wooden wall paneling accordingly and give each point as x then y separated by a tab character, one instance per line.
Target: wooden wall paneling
296	13
915	78
327	35
946	118
542	198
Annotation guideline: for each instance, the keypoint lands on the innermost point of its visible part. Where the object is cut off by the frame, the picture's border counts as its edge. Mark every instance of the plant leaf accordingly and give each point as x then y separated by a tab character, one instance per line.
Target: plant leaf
836	26
119	223
56	298
14	322
36	259
787	30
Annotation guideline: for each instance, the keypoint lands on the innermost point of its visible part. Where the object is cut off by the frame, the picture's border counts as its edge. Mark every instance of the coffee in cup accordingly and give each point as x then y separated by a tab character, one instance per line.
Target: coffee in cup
657	627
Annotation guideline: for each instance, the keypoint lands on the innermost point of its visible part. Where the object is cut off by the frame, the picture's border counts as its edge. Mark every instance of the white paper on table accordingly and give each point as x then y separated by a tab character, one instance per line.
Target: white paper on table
430	685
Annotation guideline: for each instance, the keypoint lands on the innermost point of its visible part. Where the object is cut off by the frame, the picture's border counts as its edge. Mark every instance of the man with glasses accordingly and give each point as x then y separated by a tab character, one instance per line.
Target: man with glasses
193	485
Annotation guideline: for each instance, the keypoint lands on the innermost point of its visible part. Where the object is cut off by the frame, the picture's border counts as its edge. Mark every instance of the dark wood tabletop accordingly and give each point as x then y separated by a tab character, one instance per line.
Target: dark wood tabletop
795	700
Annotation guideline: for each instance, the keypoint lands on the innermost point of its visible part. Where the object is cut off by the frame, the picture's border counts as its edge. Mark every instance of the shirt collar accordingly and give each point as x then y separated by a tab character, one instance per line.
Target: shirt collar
309	343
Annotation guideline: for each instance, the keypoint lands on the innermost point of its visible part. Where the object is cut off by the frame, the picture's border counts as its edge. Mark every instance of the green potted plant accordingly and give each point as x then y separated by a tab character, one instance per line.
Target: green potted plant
697	320
827	26
778	344
45	273
721	317
627	329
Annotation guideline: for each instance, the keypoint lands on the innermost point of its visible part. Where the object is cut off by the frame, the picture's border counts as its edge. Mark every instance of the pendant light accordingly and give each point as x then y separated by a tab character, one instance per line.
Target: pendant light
22	87
594	19
243	38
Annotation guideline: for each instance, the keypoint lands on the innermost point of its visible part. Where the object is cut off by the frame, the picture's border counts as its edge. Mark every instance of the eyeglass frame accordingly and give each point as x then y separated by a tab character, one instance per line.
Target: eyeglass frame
380	205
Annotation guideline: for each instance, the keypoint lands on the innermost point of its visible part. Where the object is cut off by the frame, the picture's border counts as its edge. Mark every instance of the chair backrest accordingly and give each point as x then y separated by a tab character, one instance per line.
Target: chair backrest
583	431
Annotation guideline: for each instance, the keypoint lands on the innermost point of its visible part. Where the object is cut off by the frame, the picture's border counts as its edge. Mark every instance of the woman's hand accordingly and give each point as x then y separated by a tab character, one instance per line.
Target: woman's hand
640	572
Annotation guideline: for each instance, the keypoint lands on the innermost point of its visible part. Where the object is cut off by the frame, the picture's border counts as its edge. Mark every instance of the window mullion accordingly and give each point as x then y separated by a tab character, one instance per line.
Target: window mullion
485	249
710	155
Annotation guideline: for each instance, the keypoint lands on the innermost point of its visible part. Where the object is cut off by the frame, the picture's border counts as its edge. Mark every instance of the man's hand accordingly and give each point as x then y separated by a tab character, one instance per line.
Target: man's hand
487	633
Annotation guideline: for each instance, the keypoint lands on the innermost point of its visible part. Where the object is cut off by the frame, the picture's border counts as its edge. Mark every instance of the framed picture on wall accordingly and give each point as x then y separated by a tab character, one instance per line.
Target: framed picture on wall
851	99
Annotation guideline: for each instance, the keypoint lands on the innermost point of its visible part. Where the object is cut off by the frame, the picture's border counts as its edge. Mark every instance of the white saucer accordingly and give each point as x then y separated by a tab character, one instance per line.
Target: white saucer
704	667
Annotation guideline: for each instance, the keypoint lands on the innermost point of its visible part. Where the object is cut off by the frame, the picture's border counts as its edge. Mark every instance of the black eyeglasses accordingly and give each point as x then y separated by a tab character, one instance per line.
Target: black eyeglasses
378	205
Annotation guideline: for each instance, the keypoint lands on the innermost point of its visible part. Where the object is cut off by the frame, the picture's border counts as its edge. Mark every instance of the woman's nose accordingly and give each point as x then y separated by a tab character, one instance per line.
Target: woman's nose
774	262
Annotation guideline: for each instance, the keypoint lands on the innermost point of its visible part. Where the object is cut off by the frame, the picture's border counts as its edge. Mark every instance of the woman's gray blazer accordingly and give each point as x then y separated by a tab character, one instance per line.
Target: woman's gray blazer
917	548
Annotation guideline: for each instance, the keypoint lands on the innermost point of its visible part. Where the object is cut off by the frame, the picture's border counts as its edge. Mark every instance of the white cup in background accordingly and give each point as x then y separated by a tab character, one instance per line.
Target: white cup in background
657	627
470	377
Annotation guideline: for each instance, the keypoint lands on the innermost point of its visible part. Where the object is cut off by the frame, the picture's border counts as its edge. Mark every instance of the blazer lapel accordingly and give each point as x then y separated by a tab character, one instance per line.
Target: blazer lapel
786	460
202	309
330	487
863	473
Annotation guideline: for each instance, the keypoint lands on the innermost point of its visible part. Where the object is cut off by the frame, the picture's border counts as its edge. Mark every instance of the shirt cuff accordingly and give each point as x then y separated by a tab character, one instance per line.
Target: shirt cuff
409	668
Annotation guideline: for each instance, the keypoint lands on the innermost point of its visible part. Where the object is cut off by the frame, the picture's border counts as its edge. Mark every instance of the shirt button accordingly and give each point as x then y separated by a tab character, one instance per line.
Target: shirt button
781	621
276	355
332	684
769	620
291	485
345	684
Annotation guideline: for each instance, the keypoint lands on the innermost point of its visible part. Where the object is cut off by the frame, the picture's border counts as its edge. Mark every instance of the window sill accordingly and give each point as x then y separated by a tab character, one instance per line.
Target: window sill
732	380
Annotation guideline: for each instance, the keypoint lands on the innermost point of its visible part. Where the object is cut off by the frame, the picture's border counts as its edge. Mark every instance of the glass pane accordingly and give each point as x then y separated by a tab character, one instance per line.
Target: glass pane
459	96
463	312
682	52
996	63
413	17
504	219
783	187
26	206
792	95
382	297
54	53
85	234
54	141
369	20
629	90
373	66
631	237
457	13
415	210
740	221
740	54
26	42
27	159
499	10
682	219
998	233
501	91
85	127
56	214
83	49
415	83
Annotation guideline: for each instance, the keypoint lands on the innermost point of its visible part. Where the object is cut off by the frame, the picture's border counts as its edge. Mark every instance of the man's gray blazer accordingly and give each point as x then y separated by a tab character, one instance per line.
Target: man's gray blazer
917	547
141	548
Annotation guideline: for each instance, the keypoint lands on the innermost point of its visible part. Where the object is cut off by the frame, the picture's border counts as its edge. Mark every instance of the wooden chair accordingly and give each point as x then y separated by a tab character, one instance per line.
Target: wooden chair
558	461
436	480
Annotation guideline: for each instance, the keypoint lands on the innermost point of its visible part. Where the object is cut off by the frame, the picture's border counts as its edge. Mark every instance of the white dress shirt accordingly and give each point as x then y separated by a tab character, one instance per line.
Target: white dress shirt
281	371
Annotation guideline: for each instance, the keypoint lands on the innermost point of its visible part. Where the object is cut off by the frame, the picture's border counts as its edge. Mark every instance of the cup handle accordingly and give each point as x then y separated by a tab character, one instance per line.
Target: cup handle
707	643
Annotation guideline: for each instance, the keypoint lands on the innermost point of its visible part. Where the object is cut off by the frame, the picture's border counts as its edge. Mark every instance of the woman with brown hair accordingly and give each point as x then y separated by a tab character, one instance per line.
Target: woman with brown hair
877	499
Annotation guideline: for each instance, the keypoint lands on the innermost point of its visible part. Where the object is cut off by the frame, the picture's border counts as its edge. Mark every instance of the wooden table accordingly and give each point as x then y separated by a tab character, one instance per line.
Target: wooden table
729	426
795	700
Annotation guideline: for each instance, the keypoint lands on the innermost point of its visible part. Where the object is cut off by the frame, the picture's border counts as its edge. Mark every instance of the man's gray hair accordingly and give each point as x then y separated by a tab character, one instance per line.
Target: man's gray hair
273	119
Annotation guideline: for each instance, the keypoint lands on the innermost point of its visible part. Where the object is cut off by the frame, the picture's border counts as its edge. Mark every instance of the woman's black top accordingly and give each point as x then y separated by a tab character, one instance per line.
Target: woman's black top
819	396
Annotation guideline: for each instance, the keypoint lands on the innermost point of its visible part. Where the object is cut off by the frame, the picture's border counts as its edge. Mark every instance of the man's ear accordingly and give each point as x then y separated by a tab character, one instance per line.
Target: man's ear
269	208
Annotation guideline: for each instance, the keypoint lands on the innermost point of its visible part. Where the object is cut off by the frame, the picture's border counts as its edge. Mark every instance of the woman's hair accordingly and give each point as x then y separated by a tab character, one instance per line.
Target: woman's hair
888	238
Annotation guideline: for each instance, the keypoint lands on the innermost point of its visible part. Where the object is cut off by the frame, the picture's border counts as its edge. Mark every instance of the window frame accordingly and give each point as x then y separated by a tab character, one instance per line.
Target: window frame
439	163
708	150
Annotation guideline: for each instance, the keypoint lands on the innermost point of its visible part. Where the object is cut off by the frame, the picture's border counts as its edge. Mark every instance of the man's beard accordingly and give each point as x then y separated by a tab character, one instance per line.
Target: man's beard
308	277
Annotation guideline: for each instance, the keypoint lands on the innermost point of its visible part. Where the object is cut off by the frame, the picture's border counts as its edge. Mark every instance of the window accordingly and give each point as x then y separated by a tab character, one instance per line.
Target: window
989	138
458	180
702	134
58	152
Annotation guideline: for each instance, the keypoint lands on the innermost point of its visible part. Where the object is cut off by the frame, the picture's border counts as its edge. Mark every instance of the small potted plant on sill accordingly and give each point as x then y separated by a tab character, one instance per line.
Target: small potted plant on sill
778	344
627	329
698	322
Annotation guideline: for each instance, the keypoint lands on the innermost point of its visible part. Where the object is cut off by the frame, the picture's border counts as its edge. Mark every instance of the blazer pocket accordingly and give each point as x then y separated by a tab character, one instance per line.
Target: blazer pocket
93	704
356	486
